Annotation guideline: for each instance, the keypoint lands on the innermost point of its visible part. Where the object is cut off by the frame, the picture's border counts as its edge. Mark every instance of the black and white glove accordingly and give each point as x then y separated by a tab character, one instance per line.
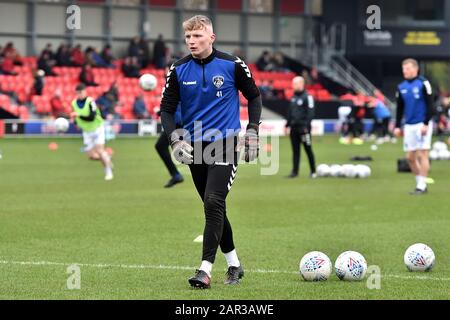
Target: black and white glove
251	142
182	151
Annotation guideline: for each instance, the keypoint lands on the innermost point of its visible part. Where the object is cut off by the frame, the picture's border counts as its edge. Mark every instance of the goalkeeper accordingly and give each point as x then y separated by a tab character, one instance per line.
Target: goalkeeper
206	84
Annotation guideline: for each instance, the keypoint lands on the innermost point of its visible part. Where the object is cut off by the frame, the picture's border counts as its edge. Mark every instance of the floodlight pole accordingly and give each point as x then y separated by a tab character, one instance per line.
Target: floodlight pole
277	25
244	28
107	19
31	28
70	34
179	38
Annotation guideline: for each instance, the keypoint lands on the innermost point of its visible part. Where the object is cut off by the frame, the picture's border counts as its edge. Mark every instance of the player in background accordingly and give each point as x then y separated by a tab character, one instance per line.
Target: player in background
415	104
382	118
205	84
301	113
88	118
162	146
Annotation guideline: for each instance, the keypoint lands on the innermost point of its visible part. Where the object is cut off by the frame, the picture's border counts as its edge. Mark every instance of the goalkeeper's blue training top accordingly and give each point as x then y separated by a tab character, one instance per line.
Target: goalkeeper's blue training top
207	91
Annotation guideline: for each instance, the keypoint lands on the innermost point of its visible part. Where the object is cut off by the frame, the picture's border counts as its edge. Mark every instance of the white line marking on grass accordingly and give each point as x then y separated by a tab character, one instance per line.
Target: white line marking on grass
125	266
168	267
97	265
414	277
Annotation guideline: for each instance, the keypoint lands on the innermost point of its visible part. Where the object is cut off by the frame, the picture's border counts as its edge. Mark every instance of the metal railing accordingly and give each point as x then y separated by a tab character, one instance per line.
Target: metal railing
326	49
353	78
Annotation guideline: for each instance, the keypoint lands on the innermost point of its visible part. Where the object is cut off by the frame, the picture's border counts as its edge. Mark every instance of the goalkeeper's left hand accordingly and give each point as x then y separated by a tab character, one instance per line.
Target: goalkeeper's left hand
251	140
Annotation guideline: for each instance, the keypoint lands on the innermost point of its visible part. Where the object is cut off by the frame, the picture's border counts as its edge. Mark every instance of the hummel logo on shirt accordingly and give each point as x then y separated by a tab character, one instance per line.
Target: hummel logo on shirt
189	83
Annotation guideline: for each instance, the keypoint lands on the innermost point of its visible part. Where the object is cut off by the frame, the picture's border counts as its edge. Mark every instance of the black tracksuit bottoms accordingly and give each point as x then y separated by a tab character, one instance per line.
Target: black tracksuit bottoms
162	147
298	136
213	176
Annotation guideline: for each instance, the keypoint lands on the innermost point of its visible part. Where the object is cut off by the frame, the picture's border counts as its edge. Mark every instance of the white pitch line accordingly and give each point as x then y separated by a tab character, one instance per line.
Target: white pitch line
414	277
168	267
125	266
98	265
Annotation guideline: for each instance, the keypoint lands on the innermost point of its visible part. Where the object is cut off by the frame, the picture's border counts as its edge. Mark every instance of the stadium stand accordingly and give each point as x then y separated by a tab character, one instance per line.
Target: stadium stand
31	105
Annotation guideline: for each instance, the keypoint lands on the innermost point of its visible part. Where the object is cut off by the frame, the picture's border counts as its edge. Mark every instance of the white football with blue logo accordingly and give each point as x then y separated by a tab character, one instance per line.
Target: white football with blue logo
350	266
315	266
419	257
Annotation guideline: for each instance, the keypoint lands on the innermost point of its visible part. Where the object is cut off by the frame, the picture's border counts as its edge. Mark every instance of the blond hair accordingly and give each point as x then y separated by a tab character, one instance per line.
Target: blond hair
411	61
198	22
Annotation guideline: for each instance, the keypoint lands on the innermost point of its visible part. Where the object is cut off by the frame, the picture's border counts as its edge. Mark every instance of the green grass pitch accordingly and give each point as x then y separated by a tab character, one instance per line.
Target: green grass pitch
133	239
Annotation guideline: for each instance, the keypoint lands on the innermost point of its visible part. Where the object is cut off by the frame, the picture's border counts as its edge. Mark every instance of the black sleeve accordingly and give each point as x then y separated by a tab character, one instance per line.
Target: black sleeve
400	109
310	109
171	95
92	112
244	80
289	115
169	102
168	123
254	110
428	94
307	111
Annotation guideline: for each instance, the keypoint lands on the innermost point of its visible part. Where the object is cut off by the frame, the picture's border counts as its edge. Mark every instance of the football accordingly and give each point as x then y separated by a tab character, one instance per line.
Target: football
434	155
315	266
419	257
148	82
62	124
443	154
323	170
350	266
362	171
348	170
439	145
336	170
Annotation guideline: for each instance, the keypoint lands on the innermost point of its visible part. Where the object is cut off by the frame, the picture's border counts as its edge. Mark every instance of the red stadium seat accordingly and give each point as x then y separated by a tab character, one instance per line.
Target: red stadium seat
23	113
42	104
4	101
288	93
13	109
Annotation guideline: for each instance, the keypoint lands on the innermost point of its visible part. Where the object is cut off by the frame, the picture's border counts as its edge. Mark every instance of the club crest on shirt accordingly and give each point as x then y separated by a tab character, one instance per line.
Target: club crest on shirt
218	81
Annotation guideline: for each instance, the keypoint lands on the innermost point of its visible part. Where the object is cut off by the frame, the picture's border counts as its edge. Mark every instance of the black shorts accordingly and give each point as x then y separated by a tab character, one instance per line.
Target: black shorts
220	152
215	168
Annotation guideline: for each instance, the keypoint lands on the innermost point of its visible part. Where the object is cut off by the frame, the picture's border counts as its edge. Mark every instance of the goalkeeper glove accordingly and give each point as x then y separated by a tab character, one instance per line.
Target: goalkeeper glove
182	151
251	140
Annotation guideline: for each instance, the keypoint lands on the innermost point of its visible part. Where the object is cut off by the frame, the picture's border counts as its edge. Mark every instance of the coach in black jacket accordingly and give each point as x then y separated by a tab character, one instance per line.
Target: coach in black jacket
301	113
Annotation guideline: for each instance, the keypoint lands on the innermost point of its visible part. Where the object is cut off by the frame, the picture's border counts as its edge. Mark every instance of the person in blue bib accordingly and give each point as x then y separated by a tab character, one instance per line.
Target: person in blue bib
381	116
206	84
415	105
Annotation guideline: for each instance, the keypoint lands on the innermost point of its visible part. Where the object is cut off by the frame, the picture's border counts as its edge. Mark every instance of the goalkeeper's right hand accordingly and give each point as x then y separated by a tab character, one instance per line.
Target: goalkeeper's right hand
182	151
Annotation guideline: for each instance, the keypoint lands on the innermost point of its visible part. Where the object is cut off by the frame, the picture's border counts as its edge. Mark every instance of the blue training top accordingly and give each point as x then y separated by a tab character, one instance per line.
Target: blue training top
414	101
207	92
381	111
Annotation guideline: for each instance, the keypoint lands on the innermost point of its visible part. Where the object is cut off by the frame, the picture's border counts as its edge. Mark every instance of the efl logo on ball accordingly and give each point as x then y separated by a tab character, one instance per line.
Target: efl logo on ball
350	266
315	266
419	257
